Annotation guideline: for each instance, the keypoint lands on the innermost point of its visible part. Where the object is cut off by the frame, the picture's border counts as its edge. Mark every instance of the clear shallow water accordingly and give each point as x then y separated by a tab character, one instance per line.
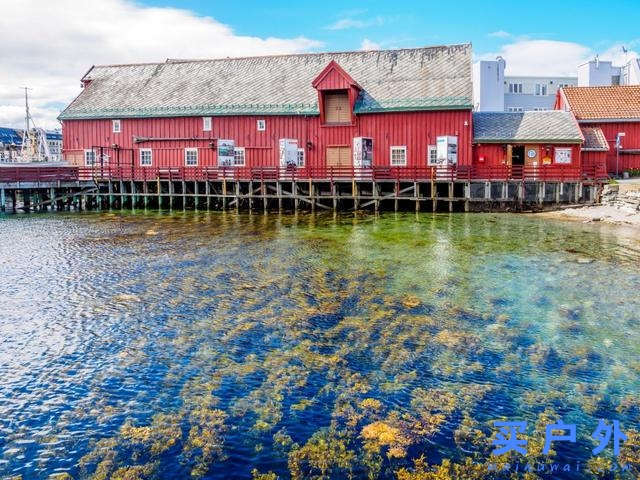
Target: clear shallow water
211	346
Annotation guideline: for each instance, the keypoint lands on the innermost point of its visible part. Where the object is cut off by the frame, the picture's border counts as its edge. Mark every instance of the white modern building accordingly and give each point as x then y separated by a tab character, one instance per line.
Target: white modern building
599	73
496	92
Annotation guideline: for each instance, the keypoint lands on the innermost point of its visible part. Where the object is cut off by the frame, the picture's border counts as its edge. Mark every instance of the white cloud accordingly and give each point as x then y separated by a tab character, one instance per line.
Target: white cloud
369	45
346	23
53	44
499	34
543	57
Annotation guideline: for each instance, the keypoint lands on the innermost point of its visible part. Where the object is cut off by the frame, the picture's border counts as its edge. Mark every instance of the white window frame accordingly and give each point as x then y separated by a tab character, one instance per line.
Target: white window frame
261	125
116	126
515	88
207	124
541	90
186	157
88	163
302	155
236	152
398	148
432	151
143	151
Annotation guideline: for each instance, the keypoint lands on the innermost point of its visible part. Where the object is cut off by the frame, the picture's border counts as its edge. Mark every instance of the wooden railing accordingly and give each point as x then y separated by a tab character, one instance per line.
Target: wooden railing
451	173
23	173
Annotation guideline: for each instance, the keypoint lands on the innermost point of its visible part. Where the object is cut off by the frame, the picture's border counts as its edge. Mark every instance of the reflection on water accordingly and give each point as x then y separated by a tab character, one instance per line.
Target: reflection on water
236	346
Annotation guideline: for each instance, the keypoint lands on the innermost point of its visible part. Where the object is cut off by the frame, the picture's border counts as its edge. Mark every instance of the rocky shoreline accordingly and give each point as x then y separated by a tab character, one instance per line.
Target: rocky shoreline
620	205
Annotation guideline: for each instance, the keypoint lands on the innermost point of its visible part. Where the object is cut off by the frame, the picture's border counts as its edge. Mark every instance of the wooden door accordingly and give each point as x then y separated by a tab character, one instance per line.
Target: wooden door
509	154
531	155
337	108
338	157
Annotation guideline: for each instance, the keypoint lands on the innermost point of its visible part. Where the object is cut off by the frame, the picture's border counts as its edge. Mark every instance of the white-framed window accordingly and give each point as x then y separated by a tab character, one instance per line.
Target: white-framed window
191	157
206	124
515	88
89	157
146	157
541	89
515	109
238	157
398	156
301	157
261	125
115	124
432	155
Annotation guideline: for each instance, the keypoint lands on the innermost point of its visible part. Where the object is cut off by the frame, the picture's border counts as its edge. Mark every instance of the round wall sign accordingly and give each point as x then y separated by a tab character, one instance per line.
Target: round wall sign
532	153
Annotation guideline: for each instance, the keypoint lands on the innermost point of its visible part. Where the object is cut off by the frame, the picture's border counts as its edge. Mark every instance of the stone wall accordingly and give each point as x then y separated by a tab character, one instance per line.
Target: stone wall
625	197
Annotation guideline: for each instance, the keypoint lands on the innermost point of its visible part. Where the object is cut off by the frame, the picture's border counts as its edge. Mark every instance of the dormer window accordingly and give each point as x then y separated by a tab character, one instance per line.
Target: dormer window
337	108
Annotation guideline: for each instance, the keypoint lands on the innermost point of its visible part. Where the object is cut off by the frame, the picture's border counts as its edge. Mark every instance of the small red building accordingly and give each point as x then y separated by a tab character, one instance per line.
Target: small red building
530	144
609	114
245	112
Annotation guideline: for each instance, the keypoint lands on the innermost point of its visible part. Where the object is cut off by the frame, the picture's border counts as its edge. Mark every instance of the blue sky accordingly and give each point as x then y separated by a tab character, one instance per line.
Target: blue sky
416	23
67	37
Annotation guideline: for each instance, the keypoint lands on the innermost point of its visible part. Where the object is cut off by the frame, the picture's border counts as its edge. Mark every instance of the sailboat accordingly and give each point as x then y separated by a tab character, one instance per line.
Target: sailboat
35	147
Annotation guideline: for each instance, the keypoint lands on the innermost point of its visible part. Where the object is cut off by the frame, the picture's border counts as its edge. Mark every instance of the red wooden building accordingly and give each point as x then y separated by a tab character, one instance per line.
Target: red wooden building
606	114
242	112
529	144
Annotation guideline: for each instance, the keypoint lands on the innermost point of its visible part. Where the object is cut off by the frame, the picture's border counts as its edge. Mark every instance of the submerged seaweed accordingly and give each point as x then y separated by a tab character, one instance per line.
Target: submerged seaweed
290	347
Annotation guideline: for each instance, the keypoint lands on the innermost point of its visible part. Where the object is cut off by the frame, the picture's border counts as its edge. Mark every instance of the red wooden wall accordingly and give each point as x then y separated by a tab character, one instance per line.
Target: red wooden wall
496	154
631	140
415	130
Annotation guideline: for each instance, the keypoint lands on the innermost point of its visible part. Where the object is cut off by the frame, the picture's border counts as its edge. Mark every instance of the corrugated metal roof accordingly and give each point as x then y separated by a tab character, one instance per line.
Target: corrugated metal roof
552	126
10	136
602	103
594	139
392	80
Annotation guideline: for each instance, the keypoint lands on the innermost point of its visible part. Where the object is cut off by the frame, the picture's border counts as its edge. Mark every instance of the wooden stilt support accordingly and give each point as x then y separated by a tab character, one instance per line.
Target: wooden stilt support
467	196
224	194
396	189
416	195
334	195
375	188
263	193
3	200
237	196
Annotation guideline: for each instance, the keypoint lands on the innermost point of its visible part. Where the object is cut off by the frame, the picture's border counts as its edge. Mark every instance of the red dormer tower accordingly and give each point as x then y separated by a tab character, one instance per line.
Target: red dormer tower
337	95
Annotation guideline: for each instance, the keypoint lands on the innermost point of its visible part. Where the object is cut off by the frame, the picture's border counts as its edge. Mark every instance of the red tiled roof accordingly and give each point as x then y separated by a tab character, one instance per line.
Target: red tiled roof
594	103
594	139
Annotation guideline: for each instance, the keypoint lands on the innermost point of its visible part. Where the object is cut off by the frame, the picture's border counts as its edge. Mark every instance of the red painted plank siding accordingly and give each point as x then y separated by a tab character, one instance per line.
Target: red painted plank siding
610	130
415	130
631	140
495	155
